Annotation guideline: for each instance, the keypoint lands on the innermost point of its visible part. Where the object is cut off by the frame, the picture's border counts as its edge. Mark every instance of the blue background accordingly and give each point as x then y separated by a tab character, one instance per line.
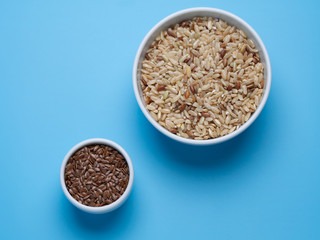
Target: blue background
65	72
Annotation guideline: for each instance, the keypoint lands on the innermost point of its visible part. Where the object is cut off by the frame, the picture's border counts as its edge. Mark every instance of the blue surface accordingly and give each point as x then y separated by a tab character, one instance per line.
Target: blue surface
65	72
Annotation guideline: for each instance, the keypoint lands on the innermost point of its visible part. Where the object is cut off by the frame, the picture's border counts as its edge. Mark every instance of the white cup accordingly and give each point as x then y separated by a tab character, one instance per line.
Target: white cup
106	208
189	14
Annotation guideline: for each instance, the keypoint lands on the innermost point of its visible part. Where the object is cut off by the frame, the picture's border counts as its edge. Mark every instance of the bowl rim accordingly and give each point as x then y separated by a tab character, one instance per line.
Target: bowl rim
267	68
107	208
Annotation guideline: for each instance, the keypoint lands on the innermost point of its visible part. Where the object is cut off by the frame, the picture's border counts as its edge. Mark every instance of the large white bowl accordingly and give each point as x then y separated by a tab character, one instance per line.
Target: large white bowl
189	14
106	208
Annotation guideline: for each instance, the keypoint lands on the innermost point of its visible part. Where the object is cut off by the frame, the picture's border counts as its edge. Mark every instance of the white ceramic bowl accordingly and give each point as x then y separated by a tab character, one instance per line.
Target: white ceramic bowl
189	14
106	208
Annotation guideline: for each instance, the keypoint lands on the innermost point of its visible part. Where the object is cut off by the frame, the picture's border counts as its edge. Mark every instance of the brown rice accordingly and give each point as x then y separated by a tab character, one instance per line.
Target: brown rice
202	78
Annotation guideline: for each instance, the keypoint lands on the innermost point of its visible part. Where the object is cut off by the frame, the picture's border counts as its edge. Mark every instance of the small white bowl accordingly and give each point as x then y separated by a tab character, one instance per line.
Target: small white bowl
189	14
106	208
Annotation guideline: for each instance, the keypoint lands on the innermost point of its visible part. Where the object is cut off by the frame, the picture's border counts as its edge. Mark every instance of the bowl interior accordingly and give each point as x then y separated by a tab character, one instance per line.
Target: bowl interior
186	15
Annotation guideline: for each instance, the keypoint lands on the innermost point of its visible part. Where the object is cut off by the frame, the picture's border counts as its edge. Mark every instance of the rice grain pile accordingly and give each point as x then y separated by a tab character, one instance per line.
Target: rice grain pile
202	78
